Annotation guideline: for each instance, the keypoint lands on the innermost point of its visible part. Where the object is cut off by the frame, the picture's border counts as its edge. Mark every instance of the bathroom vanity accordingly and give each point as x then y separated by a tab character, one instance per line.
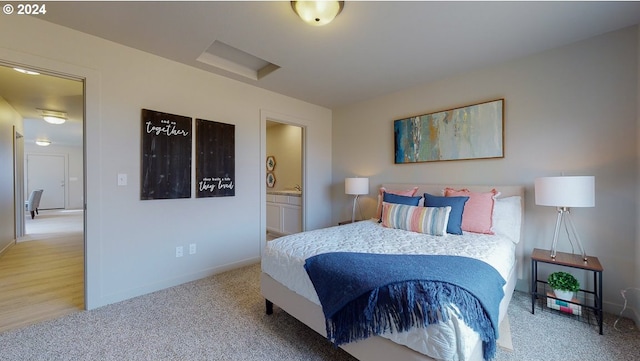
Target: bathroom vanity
284	212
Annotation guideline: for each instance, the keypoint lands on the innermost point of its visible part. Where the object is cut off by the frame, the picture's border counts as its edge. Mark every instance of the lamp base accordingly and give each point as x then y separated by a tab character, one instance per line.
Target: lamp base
353	212
564	217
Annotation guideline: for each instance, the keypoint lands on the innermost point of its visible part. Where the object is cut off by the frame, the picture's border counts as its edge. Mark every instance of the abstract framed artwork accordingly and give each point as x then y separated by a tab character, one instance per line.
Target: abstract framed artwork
470	132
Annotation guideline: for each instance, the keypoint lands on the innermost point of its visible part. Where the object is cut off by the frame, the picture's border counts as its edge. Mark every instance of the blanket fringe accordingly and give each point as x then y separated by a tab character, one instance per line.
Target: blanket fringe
402	306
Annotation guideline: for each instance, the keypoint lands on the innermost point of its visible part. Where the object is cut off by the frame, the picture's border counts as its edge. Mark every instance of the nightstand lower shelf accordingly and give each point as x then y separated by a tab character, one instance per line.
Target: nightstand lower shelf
539	288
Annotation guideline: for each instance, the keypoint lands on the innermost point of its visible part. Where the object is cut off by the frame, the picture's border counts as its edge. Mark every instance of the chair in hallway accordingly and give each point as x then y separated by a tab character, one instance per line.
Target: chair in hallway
33	202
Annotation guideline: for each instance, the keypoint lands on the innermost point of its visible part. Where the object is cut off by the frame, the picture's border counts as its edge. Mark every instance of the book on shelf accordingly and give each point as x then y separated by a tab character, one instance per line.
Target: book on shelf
572	307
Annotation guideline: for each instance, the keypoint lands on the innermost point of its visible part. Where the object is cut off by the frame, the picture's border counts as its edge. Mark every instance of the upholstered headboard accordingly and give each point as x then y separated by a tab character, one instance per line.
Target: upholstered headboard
505	191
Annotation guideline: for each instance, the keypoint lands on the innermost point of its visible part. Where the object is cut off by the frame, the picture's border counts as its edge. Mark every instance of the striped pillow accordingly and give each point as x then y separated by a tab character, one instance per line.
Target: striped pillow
428	220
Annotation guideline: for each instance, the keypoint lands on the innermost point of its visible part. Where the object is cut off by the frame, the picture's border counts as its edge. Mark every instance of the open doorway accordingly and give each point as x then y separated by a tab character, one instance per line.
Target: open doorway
284	179
43	272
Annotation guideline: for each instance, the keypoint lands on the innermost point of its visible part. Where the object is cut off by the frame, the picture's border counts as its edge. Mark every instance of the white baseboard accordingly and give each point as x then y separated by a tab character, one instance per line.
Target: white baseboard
6	248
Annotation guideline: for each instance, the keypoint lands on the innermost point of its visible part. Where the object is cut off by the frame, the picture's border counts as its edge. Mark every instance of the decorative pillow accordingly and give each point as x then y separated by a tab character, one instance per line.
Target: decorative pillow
398	199
428	220
454	225
408	193
507	218
478	210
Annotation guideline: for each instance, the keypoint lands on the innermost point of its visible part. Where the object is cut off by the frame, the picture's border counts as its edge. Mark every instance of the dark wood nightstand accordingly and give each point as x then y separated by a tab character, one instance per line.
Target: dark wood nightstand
562	259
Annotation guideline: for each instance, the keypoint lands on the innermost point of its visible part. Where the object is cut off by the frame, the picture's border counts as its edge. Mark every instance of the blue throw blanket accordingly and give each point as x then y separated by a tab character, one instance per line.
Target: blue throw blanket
362	294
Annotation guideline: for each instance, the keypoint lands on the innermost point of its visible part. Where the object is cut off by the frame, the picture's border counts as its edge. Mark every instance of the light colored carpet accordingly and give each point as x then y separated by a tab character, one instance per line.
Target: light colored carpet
222	318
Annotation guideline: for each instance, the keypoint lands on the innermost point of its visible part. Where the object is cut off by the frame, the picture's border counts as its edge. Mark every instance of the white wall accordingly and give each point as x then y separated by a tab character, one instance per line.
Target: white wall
8	119
131	243
572	109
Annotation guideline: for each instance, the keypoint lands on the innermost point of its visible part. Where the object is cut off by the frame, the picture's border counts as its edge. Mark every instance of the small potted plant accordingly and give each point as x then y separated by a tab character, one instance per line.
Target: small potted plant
563	284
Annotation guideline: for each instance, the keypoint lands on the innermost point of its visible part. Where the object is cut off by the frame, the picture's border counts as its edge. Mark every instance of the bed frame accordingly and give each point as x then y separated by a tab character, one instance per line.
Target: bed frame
378	348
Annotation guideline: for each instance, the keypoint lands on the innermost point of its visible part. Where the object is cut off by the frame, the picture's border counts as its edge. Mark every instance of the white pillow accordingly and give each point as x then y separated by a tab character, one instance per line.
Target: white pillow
507	218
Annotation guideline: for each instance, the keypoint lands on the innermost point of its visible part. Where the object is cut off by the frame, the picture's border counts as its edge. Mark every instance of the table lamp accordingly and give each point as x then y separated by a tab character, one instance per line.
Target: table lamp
357	187
564	193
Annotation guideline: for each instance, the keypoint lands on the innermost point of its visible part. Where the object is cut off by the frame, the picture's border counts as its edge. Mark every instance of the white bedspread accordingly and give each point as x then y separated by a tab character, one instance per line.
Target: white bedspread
284	258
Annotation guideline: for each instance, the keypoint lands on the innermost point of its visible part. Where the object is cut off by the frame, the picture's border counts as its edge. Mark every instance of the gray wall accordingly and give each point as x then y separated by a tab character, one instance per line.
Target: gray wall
572	109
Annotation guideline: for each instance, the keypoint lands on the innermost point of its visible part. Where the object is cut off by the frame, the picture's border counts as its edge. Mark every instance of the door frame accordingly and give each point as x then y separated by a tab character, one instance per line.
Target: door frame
18	185
265	116
91	158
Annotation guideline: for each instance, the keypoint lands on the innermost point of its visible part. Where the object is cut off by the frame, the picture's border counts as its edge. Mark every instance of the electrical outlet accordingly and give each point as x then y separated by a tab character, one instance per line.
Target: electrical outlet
192	248
179	251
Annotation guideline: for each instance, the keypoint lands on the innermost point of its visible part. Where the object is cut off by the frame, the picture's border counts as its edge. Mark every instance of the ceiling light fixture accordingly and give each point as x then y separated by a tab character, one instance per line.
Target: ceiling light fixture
317	13
25	71
54	120
53	116
43	142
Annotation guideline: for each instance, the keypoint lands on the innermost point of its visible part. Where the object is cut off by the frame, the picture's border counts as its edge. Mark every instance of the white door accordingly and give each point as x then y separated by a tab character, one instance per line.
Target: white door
46	172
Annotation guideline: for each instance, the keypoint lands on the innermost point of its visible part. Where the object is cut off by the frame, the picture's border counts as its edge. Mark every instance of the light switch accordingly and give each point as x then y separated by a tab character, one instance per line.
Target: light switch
122	179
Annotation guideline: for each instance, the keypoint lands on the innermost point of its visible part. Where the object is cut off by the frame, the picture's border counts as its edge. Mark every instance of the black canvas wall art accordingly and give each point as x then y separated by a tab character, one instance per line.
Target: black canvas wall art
215	159
166	156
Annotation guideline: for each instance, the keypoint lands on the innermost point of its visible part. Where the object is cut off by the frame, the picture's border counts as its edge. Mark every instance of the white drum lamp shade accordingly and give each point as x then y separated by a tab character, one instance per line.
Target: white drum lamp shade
356	187
575	191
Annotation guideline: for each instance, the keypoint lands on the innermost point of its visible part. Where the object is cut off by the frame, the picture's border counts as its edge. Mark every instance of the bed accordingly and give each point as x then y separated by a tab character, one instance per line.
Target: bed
285	283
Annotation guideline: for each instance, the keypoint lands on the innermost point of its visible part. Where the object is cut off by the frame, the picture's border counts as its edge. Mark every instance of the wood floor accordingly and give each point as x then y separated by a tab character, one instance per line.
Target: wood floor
43	277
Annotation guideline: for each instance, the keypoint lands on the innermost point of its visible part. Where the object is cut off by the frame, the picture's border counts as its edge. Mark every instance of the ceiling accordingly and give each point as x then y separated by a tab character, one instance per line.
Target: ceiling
28	93
372	48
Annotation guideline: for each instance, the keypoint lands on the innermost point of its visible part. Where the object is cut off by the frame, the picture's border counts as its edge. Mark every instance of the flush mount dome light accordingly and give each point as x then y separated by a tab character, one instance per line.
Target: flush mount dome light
43	142
25	71
53	120
317	13
53	116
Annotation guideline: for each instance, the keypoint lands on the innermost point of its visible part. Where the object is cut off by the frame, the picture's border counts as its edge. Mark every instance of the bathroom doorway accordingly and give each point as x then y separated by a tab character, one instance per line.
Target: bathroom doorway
284	178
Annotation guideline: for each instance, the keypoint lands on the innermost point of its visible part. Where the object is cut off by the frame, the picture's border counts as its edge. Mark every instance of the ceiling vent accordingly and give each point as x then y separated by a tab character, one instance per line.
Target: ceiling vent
226	57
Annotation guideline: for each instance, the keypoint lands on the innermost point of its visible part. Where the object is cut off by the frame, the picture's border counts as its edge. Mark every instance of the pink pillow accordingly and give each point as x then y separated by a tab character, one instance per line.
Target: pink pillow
478	211
408	193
